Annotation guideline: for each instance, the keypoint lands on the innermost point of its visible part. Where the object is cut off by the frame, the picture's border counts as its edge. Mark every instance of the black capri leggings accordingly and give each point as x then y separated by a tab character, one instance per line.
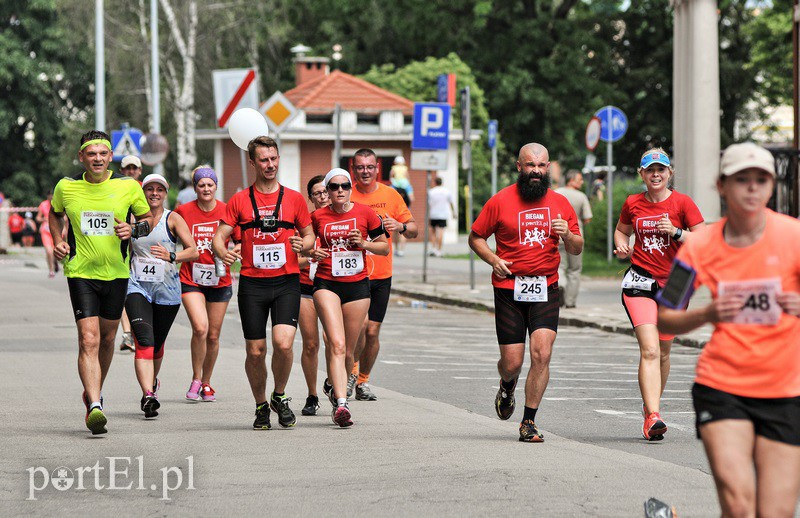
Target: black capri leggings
150	324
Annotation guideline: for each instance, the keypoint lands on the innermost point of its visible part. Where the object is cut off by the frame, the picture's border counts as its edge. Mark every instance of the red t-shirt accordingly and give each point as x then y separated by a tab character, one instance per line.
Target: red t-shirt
16	223
203	225
268	254
653	250
346	263
523	233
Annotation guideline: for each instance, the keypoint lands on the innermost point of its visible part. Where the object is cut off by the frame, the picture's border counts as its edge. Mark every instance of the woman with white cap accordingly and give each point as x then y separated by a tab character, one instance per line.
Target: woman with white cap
347	231
662	219
154	291
747	386
204	293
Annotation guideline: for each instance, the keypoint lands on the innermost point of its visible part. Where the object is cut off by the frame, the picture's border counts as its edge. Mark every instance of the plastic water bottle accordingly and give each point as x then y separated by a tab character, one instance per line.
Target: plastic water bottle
418	304
219	267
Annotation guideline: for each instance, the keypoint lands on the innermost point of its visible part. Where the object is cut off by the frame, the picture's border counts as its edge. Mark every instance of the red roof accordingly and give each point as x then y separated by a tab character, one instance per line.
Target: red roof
319	96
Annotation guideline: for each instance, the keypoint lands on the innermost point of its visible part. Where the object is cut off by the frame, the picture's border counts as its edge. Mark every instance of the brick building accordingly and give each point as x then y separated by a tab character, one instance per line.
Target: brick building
369	117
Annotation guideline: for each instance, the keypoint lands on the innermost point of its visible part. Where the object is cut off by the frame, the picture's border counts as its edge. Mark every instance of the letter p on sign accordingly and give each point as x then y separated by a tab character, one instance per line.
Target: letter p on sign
431	126
431	119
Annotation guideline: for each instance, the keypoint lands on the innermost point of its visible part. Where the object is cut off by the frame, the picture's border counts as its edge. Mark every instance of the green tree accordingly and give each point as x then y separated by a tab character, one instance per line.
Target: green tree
44	83
771	35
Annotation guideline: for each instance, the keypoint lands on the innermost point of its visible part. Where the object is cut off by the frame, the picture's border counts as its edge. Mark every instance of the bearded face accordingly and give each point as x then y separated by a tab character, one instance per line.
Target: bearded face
532	186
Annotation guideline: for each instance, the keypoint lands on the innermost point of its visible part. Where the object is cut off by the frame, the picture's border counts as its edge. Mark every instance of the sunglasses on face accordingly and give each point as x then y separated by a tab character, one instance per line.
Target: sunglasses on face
346	186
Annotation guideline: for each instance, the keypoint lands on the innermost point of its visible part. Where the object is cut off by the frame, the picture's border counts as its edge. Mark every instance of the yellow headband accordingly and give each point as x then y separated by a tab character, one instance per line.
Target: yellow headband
96	141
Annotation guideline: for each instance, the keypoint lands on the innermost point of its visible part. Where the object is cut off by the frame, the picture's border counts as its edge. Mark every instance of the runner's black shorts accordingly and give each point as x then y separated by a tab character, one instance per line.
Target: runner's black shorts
211	293
774	418
93	298
261	298
307	291
514	321
380	290
439	223
346	291
150	324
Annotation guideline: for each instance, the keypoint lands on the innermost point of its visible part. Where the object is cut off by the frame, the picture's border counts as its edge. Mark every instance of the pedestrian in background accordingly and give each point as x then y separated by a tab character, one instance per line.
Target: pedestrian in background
442	207
42	215
570	267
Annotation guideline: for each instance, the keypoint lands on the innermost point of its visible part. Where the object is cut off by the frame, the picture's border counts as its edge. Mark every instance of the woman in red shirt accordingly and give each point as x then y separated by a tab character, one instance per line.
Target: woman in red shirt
747	386
660	216
205	296
347	231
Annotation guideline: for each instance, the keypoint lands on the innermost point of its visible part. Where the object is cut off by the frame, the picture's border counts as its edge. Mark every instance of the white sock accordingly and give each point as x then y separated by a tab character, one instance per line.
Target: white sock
342	401
95	404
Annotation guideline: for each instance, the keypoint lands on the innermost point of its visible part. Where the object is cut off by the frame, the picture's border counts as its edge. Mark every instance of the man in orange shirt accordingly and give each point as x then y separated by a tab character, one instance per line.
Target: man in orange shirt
390	206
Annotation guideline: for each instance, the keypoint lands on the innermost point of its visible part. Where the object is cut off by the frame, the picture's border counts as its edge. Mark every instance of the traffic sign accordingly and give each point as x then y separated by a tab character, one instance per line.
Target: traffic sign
434	160
125	141
614	123
233	89
592	137
431	126
278	111
491	134
446	89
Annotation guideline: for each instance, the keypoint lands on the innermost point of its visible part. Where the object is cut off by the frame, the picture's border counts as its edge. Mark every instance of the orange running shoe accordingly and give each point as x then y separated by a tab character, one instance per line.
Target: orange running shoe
654	427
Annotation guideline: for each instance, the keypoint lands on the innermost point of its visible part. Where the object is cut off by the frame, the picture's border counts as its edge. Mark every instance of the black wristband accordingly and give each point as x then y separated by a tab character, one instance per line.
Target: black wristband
405	227
172	257
678	233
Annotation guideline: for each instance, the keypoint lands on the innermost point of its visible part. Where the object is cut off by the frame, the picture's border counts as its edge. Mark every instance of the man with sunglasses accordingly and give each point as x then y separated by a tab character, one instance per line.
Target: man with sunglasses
391	208
269	216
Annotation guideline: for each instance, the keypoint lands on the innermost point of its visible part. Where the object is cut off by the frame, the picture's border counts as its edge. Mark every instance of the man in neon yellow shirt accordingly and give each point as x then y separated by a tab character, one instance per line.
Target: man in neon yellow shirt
97	203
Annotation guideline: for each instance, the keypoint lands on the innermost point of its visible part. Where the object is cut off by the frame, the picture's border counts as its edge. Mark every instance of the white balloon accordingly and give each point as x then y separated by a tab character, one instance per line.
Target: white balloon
246	124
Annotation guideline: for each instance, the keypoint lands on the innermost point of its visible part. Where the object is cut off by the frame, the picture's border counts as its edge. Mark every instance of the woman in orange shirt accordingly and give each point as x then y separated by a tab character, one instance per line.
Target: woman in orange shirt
747	386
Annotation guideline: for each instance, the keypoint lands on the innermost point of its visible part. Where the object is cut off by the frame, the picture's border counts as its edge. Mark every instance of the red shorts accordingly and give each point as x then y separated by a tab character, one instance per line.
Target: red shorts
643	310
47	239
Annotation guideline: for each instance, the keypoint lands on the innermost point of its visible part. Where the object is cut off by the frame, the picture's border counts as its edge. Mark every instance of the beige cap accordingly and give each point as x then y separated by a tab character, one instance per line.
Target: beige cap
131	160
739	157
157	178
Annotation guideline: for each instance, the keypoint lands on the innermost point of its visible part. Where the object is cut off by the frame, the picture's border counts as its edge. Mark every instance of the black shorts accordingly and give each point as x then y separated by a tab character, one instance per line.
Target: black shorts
307	291
211	293
514	321
439	223
774	418
93	298
379	290
263	297
346	291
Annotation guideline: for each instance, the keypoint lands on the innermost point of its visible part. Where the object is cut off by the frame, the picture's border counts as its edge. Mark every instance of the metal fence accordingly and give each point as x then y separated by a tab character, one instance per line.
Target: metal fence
785	198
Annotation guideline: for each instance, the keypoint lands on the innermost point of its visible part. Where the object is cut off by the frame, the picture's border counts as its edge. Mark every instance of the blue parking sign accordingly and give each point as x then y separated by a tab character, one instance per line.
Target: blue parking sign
491	134
431	126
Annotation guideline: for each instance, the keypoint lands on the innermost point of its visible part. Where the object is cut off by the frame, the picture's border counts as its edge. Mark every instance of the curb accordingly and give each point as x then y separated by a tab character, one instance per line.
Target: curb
562	320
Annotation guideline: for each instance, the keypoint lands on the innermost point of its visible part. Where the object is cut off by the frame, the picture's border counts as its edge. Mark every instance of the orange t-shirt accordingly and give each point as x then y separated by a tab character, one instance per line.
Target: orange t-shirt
385	201
750	360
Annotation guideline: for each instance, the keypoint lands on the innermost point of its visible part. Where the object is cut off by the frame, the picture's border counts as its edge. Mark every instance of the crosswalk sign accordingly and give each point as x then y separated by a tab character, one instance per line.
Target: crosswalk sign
125	142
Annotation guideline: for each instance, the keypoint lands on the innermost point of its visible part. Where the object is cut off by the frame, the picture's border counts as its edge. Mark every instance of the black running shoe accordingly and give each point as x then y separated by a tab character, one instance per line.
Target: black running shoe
327	389
280	406
504	402
262	417
529	433
312	404
150	406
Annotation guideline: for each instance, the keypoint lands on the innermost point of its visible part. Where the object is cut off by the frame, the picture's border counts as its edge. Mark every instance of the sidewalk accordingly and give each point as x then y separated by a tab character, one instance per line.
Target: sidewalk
448	282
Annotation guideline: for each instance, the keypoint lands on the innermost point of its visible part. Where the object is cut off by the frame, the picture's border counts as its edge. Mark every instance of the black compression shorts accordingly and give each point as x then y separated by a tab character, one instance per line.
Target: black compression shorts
93	298
514	321
380	290
307	290
346	291
261	298
774	418
150	324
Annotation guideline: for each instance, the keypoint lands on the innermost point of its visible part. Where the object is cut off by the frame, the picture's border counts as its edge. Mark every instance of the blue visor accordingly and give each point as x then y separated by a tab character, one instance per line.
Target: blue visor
654	158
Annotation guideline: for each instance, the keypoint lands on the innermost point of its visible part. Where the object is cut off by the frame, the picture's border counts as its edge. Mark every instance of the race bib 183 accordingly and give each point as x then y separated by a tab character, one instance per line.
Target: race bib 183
344	264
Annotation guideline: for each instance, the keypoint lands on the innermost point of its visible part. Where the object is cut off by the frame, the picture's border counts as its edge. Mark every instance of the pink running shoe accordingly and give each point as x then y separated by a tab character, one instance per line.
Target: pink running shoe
194	390
207	393
341	416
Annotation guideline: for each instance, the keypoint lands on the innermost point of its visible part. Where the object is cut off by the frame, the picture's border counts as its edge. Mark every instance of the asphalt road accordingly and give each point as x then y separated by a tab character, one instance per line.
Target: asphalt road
431	445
